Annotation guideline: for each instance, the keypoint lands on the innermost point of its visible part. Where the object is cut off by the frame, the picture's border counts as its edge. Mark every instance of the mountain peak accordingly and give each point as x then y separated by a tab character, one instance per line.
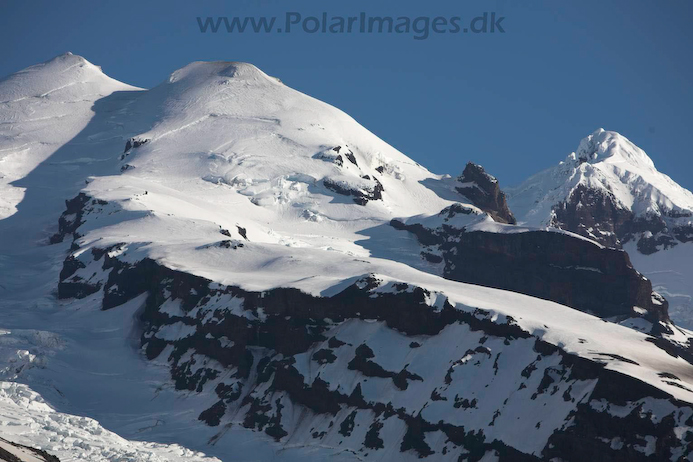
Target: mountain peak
67	62
611	147
66	76
607	190
202	70
69	56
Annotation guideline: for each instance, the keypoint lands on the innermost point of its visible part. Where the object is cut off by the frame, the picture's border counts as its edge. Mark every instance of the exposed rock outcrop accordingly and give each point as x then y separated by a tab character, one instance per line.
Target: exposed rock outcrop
595	214
370	190
484	191
133	143
550	265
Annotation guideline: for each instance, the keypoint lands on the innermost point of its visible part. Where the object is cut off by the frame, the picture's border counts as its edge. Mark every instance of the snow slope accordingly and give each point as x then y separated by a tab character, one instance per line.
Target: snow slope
671	272
222	172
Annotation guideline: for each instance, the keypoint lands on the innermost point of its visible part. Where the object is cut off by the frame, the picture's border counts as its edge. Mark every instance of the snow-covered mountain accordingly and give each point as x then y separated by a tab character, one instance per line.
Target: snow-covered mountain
610	191
225	265
42	108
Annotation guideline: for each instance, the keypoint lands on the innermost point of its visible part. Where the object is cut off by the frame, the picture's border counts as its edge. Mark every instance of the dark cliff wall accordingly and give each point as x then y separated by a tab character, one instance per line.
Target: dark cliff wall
550	265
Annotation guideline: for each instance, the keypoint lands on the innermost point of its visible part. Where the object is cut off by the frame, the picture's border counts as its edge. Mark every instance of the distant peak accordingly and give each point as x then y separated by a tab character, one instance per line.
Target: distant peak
607	146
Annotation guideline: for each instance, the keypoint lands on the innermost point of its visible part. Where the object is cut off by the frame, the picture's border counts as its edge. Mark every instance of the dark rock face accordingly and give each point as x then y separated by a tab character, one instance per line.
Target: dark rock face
133	143
361	196
337	154
484	192
684	233
594	214
356	181
247	349
347	153
549	265
71	218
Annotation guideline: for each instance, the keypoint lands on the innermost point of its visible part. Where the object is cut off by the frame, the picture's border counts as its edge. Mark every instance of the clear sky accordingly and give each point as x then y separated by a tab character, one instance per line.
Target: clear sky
515	102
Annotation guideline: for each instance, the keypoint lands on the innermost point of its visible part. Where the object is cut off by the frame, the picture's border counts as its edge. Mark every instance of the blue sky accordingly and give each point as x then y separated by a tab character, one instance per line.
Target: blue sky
515	102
